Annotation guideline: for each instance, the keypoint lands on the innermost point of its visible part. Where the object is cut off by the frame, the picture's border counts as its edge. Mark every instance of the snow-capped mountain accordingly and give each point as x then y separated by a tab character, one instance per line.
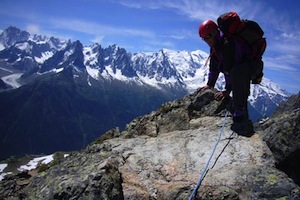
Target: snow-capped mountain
25	52
62	89
163	69
12	35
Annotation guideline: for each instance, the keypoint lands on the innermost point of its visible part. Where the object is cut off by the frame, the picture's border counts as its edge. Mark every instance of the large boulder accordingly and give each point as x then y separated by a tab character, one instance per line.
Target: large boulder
282	134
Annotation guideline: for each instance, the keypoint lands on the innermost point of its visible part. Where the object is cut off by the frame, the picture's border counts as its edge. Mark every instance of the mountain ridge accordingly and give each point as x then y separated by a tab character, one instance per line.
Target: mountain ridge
58	112
160	156
114	81
166	67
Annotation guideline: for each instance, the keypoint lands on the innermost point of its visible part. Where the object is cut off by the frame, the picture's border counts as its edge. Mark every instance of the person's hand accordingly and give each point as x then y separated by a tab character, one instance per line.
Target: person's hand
220	96
200	89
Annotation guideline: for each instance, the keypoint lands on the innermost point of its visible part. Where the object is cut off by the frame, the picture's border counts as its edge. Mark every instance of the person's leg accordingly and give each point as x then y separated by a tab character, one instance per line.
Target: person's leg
240	78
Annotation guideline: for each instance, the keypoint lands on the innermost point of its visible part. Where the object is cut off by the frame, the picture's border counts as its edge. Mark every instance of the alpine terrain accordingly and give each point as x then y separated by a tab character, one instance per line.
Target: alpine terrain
163	154
61	95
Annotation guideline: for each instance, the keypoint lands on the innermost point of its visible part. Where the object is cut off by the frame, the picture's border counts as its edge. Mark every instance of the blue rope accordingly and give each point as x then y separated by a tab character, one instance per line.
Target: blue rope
207	164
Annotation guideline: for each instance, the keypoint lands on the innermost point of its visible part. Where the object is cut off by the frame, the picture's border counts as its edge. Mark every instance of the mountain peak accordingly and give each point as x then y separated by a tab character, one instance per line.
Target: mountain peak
165	69
14	30
12	35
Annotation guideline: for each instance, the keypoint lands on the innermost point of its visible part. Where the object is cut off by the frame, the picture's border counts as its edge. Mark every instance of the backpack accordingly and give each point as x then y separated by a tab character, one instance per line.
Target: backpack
250	32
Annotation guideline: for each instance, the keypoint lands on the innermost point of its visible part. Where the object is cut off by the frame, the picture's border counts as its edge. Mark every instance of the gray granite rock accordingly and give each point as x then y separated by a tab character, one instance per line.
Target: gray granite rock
161	156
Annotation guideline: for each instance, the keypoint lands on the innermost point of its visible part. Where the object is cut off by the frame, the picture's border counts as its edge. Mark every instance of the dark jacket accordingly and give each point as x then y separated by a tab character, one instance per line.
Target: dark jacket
227	53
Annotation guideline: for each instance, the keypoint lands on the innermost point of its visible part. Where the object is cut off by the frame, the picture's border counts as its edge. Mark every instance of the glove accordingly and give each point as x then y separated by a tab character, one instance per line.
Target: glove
220	96
206	87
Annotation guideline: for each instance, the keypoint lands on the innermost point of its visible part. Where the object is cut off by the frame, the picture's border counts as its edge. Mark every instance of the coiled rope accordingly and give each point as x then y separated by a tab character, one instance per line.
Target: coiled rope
207	163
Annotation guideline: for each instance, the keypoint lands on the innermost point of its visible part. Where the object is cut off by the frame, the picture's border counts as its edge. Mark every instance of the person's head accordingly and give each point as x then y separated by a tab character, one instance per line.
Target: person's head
208	31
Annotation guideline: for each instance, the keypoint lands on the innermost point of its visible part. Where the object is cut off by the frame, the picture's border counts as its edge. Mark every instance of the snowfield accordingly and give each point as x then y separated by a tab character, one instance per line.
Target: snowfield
12	80
32	164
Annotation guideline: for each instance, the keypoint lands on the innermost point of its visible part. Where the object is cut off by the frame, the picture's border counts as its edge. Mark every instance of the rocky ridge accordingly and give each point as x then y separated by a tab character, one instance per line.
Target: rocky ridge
281	133
52	88
166	69
160	156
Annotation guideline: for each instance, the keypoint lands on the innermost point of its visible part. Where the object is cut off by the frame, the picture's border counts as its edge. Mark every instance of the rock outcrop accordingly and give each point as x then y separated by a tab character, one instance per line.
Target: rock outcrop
161	156
282	134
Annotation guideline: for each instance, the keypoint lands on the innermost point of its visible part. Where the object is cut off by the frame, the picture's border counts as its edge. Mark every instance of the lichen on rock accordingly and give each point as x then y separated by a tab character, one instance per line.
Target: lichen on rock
161	156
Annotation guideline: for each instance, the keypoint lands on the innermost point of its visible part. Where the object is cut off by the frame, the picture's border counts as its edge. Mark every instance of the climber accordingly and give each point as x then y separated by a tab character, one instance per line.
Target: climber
227	55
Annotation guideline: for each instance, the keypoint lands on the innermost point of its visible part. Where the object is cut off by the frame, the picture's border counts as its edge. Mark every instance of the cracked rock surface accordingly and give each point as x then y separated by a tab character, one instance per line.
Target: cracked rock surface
161	156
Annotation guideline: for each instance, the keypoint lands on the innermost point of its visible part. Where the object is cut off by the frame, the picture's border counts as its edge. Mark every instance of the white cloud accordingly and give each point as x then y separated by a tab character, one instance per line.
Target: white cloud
98	39
290	36
195	9
280	63
108	35
98	29
33	28
177	37
285	48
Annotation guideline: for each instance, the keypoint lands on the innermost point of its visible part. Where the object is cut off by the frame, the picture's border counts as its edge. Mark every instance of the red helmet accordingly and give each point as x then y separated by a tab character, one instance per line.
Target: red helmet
207	27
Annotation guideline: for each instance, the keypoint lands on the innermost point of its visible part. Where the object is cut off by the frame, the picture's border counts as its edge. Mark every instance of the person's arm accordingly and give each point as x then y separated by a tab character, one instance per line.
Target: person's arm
214	71
228	53
212	75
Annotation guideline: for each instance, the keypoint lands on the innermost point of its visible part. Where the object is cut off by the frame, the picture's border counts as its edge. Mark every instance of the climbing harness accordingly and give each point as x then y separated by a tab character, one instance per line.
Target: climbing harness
208	59
207	164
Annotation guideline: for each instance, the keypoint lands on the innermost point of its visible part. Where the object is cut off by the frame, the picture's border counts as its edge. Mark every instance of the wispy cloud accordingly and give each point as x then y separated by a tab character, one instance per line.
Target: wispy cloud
98	39
280	63
177	37
286	28
285	47
94	28
195	9
33	28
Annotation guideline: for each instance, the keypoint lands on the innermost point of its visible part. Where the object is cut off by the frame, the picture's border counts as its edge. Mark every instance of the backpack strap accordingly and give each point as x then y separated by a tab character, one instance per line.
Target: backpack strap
208	59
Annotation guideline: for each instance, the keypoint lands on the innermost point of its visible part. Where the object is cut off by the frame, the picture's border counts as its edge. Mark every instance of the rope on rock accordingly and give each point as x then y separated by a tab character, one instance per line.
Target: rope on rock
207	164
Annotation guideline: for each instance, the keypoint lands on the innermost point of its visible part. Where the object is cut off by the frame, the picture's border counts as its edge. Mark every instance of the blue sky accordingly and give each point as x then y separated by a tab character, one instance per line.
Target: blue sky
150	25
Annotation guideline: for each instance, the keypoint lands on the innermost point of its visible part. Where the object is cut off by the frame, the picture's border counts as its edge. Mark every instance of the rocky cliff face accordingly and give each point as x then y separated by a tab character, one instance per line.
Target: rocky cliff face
161	156
282	134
